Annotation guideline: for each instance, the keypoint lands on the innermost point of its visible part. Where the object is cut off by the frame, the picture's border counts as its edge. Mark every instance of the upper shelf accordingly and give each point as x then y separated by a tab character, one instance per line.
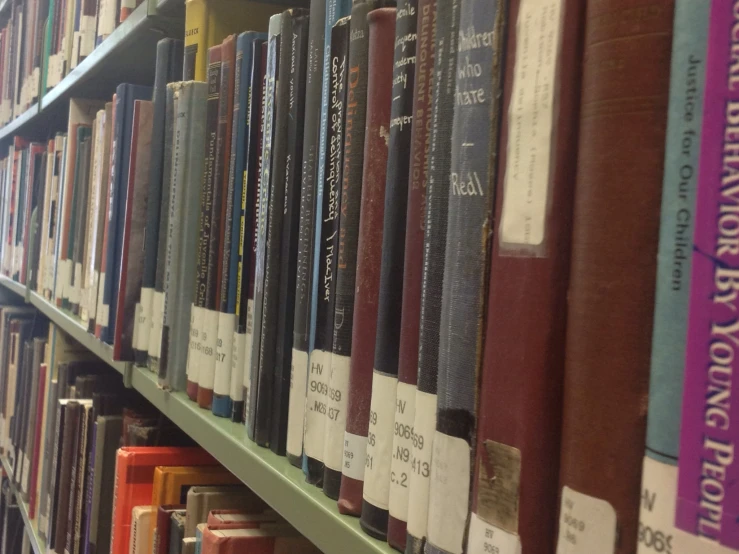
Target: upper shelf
271	476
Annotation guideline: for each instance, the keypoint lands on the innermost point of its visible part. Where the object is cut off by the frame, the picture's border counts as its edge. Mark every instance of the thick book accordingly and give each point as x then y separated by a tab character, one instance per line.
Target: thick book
126	95
289	233
346	259
319	413
261	225
306	232
182	233
201	358
247	111
374	518
625	86
381	24
405	405
133	217
142	518
108	431
672	293
474	160
202	499
168	69
518	435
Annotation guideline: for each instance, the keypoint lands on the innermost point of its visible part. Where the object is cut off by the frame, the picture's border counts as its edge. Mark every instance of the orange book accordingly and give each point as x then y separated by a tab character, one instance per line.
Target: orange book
134	482
268	539
171	484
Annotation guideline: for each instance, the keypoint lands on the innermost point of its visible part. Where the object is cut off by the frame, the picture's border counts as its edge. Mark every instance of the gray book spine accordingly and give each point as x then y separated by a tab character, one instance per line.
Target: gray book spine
49	435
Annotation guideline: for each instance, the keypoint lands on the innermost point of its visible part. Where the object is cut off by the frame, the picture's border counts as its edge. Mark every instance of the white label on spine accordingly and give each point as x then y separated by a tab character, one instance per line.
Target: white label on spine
657	531
319	370
531	116
424	426
193	355
101	318
237	367
355	453
157	324
400	468
380	440
586	524
336	401
74	289
208	341
485	538
449	492
144	319
296	409
224	351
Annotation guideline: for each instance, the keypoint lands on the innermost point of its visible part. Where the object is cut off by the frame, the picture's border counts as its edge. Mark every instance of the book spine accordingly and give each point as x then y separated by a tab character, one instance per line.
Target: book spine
405	405
471	196
706	504
346	259
290	229
198	343
306	233
374	518
672	293
381	23
195	61
317	413
265	182
624	88
64	484
242	339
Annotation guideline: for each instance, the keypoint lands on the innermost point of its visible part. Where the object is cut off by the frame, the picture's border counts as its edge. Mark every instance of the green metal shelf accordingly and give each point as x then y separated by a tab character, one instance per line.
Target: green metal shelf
37	543
15	124
270	476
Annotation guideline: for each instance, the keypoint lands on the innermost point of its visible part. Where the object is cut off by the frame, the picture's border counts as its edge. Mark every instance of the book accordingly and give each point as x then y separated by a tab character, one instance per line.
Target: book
75	515
619	382
77	221
241	517
265	540
142	518
376	491
164	526
381	23
133	217
168	69
108	430
306	232
202	499
134	473
177	531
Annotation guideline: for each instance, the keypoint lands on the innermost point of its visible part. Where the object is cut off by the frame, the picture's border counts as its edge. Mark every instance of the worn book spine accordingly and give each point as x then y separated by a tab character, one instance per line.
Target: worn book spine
518	435
62	489
624	88
346	259
317	412
470	220
245	298
265	180
156	319
672	293
381	23
290	230
306	232
374	517
168	69
198	357
707	505
405	406
195	59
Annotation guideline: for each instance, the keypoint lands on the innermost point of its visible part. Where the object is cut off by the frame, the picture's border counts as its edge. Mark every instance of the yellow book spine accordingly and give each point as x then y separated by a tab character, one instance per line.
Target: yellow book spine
196	40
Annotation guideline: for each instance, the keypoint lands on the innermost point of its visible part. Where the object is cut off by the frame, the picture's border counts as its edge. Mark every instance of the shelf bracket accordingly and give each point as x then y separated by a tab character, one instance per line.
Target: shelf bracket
128	375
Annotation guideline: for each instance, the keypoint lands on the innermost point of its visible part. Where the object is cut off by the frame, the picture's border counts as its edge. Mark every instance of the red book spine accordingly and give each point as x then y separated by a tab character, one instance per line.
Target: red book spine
369	252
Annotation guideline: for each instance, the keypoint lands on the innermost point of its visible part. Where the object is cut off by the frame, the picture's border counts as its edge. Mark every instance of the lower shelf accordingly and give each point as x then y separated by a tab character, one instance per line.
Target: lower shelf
271	476
37	543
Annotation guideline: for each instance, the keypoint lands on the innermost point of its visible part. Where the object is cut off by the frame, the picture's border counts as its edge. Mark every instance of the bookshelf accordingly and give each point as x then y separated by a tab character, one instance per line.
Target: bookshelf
272	477
37	544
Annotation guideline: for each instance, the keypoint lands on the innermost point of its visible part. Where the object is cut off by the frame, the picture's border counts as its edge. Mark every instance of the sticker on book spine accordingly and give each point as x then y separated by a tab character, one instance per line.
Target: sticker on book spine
319	369
424	427
62	280
237	367
449	492
486	538
400	466
193	353
144	320
224	351
586	524
336	403
208	341
296	409
355	453
380	440
530	120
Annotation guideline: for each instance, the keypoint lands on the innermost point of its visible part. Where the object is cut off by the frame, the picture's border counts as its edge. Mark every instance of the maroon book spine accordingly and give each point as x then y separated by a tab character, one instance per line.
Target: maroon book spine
369	255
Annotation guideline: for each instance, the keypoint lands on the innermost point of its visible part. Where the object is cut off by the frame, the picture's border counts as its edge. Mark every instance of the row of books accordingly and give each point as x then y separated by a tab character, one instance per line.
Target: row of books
13	535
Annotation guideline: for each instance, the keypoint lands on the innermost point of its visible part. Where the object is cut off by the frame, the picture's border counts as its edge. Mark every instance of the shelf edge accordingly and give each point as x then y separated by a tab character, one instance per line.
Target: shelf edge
37	544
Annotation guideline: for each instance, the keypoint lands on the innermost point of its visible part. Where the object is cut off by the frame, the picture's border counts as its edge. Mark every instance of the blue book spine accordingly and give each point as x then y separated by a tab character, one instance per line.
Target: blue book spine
126	94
